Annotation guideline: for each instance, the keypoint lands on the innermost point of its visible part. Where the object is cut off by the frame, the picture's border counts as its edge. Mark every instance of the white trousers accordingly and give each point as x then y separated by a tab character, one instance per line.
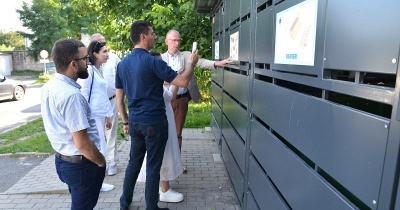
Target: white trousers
111	137
100	124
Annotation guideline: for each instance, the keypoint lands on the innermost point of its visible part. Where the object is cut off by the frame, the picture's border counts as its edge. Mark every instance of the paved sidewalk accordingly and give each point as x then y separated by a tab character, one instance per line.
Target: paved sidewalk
205	186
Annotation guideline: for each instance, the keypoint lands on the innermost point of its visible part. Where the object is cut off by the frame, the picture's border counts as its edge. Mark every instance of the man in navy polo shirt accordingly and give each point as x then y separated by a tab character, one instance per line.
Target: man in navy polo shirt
140	78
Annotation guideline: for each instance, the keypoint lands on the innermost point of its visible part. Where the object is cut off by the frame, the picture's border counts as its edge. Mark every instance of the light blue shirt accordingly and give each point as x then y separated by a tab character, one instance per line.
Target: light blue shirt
65	111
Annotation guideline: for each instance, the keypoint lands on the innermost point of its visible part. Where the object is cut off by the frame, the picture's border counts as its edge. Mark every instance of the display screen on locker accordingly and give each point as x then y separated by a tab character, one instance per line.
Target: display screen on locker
234	46
295	34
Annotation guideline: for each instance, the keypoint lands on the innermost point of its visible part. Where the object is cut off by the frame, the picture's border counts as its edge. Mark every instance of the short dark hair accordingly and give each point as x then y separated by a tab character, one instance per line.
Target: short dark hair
94	46
64	51
155	54
137	28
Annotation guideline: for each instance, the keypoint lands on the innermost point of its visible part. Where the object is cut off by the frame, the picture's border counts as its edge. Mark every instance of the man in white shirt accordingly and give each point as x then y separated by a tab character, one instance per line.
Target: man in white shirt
71	132
176	60
109	68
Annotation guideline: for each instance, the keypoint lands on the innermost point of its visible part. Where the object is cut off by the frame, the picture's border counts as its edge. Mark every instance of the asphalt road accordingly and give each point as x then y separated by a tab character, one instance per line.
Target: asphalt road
14	114
14	168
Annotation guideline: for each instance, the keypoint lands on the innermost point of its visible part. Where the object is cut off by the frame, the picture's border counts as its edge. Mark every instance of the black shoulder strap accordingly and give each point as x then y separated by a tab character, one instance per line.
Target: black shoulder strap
91	85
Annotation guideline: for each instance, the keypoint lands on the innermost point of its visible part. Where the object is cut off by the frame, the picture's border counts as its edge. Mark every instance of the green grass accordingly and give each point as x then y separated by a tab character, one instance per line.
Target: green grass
34	143
27	138
198	115
31	137
44	78
32	128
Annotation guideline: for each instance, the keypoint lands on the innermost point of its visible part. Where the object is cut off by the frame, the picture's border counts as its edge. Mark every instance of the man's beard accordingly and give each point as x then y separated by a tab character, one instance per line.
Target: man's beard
83	73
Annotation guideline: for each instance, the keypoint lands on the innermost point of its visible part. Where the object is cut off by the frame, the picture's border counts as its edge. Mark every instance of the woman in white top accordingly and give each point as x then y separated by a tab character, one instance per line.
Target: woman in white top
94	89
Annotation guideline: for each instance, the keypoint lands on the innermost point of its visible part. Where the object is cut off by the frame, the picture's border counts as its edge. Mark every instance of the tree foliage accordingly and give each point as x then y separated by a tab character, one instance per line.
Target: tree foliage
11	41
50	20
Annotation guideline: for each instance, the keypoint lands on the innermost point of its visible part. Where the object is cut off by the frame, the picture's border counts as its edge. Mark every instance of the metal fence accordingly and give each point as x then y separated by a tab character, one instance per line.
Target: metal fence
307	116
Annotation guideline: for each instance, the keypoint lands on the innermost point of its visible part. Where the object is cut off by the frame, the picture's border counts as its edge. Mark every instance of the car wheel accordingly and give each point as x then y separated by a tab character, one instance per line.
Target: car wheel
19	93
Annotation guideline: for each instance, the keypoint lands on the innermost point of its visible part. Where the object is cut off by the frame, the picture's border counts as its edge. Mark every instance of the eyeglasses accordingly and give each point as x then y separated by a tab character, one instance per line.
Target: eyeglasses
84	58
175	40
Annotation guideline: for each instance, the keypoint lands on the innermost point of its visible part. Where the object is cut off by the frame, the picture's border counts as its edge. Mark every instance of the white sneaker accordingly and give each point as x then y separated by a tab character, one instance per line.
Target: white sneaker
112	170
106	187
171	196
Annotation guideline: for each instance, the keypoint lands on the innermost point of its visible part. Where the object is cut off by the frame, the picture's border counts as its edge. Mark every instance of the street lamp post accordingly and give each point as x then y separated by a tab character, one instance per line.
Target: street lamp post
44	55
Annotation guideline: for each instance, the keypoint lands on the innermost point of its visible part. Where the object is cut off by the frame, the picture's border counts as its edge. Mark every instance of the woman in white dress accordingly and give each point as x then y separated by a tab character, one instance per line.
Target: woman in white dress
94	89
171	166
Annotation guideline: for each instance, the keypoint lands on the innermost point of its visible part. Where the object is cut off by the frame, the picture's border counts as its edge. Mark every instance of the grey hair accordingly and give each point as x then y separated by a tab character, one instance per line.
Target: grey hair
96	35
172	31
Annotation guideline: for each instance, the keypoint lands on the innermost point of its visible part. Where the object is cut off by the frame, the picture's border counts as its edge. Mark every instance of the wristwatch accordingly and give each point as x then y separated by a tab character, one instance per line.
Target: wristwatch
125	123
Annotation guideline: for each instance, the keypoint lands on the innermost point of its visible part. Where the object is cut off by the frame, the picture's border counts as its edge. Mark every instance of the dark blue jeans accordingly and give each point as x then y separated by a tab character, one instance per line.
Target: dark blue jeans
150	137
84	181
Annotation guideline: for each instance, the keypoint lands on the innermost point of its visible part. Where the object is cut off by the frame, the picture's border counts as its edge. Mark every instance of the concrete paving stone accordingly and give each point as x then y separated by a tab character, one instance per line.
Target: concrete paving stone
111	200
17	196
52	196
114	205
19	200
55	200
179	205
103	205
42	205
7	205
222	178
201	175
206	208
60	205
24	206
229	207
191	179
195	203
211	178
110	194
202	182
5	201
41	208
34	196
198	186
4	196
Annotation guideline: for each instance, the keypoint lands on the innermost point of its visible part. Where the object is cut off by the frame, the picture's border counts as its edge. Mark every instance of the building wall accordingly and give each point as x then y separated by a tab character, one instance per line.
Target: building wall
21	61
307	115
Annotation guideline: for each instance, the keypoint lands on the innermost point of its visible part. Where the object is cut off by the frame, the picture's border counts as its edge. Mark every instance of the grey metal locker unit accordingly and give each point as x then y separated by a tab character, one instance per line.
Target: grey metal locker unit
310	114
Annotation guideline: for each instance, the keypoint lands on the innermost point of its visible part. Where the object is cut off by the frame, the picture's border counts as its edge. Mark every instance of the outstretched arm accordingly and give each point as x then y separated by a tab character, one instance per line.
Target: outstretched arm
223	63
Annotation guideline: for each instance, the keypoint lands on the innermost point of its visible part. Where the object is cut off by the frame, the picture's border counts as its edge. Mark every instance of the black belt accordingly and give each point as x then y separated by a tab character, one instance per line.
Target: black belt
182	95
73	158
111	97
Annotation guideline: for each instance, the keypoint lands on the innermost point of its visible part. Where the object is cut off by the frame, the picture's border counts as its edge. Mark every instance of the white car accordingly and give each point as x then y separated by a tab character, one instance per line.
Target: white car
11	89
